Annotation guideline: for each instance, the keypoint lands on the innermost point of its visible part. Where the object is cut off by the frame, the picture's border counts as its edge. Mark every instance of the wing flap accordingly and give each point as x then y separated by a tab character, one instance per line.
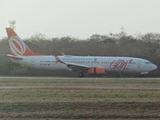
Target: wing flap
76	67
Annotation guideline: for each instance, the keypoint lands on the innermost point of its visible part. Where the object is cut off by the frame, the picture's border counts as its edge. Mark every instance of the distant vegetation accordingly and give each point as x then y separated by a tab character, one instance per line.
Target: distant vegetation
144	46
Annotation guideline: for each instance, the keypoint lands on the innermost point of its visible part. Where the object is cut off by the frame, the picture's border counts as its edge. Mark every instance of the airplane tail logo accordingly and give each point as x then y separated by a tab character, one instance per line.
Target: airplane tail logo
17	46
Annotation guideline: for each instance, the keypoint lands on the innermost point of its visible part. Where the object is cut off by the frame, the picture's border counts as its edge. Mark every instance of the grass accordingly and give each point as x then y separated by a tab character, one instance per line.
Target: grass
78	95
80	103
154	83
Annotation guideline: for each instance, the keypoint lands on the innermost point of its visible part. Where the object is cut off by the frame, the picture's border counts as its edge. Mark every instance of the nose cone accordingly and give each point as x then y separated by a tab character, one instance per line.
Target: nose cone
154	66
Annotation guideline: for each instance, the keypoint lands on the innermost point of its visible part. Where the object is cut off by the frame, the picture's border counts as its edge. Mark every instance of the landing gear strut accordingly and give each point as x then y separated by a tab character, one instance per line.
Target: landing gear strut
80	75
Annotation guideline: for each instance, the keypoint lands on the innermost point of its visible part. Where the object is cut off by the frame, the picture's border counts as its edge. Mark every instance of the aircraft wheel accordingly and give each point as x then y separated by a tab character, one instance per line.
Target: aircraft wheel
80	75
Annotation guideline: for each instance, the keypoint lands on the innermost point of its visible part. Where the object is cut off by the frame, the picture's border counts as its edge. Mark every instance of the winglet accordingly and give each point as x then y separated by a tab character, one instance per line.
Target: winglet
62	53
57	58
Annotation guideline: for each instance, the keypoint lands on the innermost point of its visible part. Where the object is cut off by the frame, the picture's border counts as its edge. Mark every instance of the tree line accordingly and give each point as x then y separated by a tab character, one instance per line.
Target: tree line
145	46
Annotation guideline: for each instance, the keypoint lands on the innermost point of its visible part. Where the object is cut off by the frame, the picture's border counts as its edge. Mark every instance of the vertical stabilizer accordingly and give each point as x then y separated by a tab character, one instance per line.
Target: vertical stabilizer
17	46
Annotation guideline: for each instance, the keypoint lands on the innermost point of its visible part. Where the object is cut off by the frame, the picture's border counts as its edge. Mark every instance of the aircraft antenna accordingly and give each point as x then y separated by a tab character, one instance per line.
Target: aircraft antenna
12	24
122	29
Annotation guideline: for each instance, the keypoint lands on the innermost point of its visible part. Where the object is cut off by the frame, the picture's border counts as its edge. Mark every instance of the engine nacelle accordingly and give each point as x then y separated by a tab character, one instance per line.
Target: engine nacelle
96	71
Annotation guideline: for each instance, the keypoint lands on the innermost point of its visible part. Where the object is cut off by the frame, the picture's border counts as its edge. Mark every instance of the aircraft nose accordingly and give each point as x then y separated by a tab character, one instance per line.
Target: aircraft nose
154	66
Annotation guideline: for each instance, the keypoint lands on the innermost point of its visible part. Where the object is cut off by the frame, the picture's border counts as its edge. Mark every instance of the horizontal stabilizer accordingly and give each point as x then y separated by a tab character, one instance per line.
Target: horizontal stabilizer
14	57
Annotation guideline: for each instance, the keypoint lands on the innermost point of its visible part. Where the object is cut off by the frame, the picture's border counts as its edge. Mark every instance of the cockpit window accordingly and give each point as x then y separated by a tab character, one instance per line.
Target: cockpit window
147	62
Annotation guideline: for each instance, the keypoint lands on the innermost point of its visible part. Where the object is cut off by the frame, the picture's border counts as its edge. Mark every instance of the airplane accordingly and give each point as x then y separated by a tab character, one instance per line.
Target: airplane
93	65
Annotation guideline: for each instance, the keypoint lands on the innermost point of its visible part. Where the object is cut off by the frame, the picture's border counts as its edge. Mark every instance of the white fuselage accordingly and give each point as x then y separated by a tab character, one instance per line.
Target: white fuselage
129	64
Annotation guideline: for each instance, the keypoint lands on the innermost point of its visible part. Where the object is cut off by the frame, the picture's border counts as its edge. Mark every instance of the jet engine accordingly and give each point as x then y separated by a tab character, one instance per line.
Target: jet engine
96	71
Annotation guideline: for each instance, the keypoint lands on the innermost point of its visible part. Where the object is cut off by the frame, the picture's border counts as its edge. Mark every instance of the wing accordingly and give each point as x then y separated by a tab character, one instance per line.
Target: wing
72	66
14	57
77	67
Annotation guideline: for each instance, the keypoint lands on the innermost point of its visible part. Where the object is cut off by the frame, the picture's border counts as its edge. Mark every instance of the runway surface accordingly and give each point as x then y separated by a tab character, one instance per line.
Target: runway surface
79	86
77	78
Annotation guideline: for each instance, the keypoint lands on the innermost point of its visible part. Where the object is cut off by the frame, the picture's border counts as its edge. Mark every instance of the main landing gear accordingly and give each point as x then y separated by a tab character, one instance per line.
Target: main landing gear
80	74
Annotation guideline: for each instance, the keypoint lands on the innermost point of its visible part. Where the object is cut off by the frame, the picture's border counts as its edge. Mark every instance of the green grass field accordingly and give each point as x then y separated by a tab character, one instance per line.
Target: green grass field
79	99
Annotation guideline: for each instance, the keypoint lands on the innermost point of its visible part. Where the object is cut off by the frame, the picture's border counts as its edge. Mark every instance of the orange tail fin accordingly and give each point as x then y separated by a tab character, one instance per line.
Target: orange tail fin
17	46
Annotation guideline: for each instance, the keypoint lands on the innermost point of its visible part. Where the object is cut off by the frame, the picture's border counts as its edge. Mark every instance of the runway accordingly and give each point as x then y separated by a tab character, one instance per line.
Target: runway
13	82
77	78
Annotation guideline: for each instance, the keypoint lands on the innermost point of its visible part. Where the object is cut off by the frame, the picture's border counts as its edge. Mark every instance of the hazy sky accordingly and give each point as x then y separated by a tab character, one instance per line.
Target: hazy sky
79	18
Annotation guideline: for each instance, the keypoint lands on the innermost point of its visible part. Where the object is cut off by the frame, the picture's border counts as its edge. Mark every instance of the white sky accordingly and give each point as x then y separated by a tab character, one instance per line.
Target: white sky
79	18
